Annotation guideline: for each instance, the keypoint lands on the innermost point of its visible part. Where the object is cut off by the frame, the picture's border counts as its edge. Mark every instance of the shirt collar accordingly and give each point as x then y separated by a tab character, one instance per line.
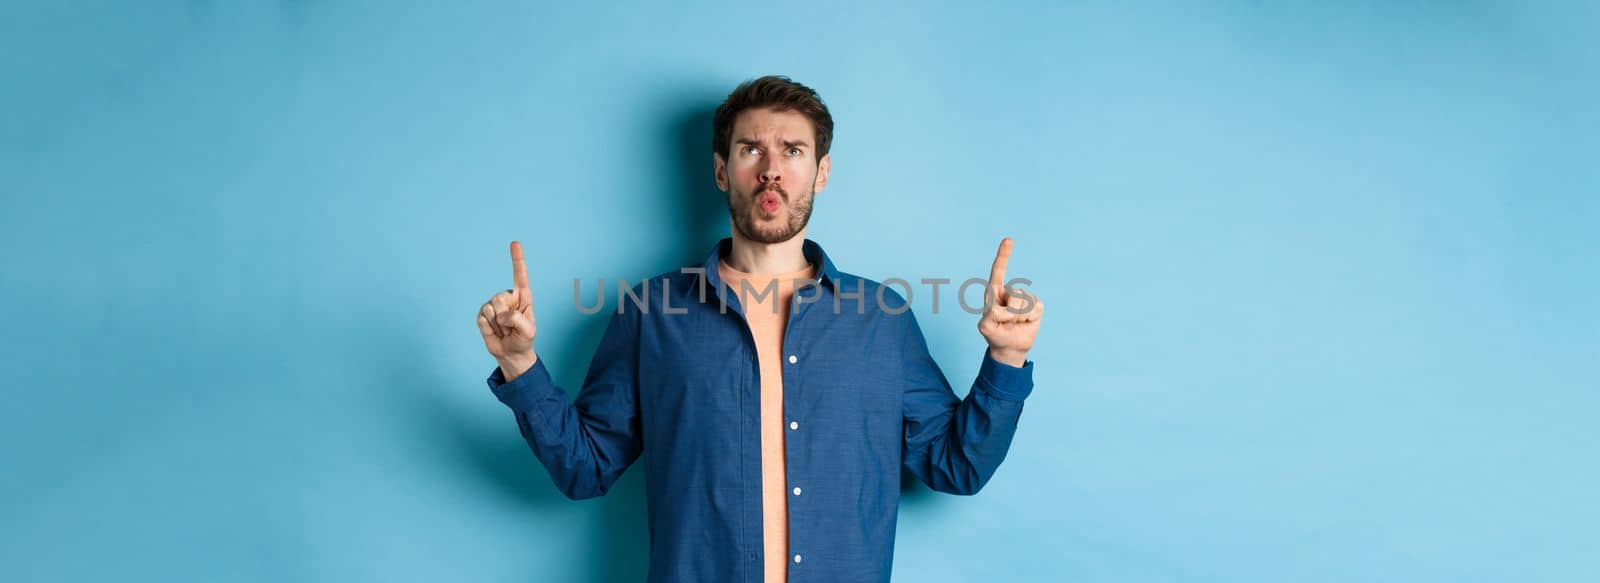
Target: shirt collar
812	251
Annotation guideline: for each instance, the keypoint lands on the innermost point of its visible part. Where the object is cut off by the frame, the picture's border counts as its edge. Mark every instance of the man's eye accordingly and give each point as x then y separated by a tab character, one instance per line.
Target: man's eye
750	150
794	151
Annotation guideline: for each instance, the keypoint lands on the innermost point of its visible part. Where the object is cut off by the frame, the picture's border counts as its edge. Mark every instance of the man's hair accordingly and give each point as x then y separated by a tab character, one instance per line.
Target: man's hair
778	93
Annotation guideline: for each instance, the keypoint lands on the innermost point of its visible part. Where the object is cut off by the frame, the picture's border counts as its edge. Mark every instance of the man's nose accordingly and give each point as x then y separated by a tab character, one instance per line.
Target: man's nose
770	171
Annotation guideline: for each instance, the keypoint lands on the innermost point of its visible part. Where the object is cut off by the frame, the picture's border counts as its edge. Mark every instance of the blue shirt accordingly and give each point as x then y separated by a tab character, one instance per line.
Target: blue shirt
675	379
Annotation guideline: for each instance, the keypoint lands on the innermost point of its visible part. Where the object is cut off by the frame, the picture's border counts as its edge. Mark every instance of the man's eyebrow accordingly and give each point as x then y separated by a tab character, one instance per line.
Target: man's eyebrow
787	143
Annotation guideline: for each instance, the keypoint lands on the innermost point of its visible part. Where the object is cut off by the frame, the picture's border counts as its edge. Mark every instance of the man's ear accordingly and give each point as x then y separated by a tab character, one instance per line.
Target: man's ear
822	173
720	168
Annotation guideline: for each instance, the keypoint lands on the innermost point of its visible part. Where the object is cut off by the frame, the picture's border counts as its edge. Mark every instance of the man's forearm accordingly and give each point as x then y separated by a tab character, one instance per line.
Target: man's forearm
512	367
1009	357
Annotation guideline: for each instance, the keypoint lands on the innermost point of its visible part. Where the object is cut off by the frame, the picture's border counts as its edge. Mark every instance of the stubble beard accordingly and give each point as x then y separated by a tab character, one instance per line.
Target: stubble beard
747	216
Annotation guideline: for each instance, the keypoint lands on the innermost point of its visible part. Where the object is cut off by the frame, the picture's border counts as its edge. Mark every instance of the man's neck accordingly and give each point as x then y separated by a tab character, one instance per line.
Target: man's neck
752	257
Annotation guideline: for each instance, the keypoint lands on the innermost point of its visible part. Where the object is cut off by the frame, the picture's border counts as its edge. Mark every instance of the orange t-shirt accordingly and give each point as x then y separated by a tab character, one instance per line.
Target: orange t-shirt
768	316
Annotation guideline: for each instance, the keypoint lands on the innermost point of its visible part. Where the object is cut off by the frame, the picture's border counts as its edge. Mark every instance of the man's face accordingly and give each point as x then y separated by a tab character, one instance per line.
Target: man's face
772	174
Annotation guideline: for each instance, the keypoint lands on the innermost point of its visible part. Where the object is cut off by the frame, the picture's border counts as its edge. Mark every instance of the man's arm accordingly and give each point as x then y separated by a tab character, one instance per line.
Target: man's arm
587	444
584	445
955	445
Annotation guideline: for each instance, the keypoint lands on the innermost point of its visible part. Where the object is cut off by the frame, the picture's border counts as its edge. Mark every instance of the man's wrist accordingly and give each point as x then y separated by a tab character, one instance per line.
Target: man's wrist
512	367
1016	358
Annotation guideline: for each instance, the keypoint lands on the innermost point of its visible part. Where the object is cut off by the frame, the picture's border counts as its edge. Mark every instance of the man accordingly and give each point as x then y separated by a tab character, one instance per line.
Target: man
774	398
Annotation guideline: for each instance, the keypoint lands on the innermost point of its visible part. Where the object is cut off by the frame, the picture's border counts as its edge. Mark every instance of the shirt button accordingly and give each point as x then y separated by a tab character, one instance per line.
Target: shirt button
797	491
793	359
793	425
797	558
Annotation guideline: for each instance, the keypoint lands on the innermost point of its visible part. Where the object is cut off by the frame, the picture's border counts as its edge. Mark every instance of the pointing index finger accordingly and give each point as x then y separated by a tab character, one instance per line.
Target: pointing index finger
997	273
519	269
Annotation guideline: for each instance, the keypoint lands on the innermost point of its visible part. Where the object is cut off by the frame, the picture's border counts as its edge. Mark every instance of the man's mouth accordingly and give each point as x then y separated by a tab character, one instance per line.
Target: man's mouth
769	201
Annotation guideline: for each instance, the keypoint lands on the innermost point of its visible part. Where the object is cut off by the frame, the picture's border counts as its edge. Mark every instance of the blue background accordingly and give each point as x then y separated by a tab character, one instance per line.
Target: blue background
1322	276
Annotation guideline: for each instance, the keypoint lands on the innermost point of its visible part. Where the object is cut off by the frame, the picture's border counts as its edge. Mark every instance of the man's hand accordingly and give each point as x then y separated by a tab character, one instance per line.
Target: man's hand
506	322
1010	317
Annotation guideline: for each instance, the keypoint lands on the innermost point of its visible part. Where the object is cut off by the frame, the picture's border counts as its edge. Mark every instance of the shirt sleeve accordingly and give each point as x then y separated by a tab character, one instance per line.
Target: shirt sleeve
586	444
954	445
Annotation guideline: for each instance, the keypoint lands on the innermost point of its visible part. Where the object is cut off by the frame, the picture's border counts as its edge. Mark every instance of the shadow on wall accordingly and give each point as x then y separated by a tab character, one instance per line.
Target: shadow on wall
497	456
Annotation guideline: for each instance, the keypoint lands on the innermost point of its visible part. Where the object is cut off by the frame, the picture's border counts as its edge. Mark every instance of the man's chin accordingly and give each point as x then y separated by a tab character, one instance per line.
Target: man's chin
775	238
769	236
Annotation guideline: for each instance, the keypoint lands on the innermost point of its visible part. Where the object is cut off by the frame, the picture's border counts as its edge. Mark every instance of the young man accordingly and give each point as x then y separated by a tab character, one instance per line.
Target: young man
774	398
